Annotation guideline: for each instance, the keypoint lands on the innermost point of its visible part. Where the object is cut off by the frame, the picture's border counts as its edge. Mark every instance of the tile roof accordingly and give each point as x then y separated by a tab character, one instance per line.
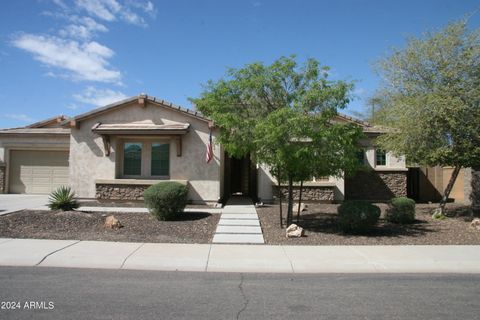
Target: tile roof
42	131
140	128
150	99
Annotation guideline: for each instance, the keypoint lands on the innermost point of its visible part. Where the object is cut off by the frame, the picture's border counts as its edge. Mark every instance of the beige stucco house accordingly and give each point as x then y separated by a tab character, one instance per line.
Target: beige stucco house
117	151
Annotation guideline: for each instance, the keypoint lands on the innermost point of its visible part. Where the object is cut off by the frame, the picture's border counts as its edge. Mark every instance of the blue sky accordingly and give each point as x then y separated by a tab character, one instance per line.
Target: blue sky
68	56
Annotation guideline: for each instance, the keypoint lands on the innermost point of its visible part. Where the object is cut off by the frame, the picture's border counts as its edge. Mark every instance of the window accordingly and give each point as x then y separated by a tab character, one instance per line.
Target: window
360	157
320	179
380	157
132	159
146	159
160	159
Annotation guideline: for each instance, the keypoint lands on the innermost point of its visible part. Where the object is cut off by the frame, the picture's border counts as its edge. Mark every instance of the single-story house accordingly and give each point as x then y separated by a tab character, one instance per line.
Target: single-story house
116	151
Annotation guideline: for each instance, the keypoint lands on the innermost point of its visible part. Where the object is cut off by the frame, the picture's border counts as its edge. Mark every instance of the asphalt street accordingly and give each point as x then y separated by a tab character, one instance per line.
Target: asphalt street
61	293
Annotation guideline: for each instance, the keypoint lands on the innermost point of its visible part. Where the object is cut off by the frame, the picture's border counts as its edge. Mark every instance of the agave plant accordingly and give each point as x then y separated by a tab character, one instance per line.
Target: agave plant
62	198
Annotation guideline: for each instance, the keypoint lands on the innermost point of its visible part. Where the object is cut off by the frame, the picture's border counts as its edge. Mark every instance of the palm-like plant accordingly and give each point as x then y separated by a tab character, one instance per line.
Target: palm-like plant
62	198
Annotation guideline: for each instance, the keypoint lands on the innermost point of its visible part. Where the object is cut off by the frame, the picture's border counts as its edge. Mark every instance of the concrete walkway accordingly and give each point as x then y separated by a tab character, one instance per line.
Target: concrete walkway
239	258
239	223
14	202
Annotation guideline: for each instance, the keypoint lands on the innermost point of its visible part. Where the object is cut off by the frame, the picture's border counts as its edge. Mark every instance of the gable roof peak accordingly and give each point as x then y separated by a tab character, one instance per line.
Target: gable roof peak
142	100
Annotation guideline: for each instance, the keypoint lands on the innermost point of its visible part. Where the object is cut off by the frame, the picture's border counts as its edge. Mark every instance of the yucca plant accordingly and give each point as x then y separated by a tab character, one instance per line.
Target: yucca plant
62	198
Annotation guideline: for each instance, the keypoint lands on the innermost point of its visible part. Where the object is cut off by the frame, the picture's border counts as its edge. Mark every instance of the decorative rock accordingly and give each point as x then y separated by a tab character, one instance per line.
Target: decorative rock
376	185
309	193
475	224
112	223
120	192
294	231
2	178
303	207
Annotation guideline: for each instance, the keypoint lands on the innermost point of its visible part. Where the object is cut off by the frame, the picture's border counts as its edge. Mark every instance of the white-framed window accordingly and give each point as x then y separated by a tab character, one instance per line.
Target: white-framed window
320	179
380	157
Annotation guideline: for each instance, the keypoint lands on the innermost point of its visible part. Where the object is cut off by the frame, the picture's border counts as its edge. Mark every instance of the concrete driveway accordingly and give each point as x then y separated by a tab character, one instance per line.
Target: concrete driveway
15	202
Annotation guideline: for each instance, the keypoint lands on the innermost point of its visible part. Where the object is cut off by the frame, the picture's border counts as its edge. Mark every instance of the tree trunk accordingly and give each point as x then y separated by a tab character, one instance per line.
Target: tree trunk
280	196
290	201
299	201
448	189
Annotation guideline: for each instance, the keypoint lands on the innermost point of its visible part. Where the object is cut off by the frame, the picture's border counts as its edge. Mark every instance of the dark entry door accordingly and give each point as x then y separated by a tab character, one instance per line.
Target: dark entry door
236	175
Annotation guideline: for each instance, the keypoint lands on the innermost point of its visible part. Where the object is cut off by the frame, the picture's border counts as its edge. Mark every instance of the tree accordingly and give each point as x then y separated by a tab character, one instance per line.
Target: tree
278	113
302	145
431	96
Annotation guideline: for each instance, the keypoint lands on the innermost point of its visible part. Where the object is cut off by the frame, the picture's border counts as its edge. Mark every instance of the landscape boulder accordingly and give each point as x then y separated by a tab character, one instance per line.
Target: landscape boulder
112	223
475	224
294	231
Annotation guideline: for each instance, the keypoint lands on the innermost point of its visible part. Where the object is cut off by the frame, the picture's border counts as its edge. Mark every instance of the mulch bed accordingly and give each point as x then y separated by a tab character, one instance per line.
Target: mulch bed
320	224
191	227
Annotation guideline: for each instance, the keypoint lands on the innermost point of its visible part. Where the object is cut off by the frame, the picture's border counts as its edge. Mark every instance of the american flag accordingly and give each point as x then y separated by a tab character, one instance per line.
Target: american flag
209	153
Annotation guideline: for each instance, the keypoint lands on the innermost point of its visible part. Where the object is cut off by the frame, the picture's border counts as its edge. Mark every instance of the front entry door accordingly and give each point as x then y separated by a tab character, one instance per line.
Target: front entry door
236	175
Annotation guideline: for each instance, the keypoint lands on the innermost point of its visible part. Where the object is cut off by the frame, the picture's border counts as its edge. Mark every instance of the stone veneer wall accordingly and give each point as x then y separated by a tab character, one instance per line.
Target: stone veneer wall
309	193
2	178
120	191
376	185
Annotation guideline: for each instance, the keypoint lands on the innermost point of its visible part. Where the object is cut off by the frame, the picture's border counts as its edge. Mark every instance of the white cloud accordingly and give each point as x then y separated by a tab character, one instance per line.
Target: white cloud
19	117
112	10
83	61
146	6
99	97
82	28
133	18
60	3
103	9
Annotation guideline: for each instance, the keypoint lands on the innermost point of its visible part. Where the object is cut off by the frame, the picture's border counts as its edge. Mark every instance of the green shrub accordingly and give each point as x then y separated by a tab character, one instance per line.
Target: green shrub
401	210
357	216
62	198
165	200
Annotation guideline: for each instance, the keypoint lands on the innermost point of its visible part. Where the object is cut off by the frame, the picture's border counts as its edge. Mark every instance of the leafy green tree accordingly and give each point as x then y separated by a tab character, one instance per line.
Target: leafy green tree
280	113
431	97
302	145
247	95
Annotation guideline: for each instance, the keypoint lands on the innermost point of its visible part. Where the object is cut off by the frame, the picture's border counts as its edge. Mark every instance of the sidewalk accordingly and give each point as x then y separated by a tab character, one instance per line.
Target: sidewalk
239	223
239	258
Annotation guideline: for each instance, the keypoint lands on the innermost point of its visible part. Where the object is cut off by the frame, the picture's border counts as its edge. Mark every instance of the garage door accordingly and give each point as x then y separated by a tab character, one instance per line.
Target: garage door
37	171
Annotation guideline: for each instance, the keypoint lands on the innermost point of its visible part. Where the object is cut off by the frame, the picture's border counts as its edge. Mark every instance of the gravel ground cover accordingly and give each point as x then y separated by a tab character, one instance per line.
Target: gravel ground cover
191	227
320	225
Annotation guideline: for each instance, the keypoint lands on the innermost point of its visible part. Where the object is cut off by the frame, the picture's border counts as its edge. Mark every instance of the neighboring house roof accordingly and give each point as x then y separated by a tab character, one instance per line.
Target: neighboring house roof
35	131
48	126
366	126
141	128
142	99
47	122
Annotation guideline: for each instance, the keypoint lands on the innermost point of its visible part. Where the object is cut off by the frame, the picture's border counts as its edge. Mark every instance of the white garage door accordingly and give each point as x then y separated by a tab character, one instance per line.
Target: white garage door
37	171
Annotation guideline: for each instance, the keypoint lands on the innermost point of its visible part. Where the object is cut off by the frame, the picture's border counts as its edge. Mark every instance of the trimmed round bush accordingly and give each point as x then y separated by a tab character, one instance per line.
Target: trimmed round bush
166	200
358	216
401	210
